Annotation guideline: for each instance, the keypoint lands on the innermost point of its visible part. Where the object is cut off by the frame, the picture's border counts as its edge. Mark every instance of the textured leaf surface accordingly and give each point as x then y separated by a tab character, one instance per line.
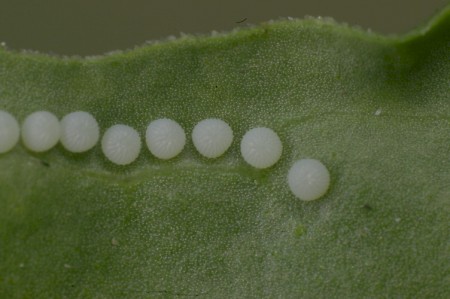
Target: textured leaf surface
375	110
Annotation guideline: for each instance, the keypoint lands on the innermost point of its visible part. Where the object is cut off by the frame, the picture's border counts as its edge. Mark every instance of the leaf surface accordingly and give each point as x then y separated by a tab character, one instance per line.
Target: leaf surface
375	110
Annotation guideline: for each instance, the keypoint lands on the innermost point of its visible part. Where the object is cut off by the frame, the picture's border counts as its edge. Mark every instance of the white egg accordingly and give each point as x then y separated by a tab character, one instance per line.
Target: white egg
121	144
212	137
41	131
261	147
165	138
9	131
79	132
308	179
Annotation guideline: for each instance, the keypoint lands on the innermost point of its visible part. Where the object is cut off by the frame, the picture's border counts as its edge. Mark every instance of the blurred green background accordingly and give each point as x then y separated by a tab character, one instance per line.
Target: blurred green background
90	27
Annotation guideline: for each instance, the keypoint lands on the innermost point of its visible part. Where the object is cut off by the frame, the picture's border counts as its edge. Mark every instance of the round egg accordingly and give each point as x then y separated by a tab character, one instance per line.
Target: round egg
9	131
121	144
261	147
212	137
41	131
165	138
308	179
79	132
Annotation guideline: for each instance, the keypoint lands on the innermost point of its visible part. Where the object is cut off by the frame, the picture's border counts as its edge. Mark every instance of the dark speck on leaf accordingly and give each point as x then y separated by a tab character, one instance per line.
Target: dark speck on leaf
367	207
241	21
45	163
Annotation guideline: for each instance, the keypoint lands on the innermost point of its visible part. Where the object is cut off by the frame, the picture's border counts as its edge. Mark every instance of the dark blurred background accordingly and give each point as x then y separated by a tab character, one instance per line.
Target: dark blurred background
89	27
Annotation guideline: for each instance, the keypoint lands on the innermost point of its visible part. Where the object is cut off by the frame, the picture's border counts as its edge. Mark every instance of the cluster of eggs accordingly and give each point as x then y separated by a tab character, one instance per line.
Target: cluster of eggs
79	132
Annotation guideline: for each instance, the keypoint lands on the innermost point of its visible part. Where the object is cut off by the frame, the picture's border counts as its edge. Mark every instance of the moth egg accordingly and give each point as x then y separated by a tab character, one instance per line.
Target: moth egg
165	138
308	179
261	147
212	137
121	144
79	132
9	131
41	131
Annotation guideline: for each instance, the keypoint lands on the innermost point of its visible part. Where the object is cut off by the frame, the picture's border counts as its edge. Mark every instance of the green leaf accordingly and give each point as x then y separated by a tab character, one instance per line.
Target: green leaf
375	110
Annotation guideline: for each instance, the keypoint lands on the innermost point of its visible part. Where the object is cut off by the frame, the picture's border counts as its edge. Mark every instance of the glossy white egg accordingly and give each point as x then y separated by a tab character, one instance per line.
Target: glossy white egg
79	132
261	147
9	131
308	179
212	137
121	144
165	138
41	131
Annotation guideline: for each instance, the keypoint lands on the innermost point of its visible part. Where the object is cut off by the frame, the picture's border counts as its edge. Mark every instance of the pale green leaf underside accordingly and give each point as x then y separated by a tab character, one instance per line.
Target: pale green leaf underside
78	226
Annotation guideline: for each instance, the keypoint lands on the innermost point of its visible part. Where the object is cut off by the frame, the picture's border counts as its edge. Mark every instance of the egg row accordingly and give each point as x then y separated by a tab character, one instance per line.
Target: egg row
79	132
